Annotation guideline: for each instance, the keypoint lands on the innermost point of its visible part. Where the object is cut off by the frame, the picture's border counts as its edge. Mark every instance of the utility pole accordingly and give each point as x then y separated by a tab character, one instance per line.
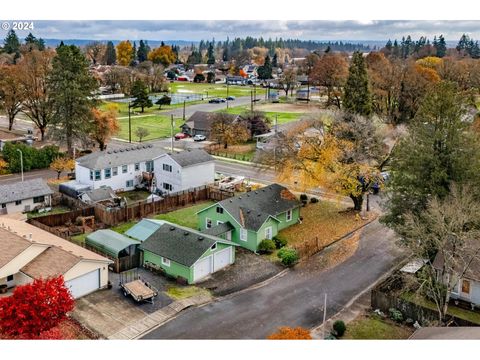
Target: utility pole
324	316
227	94
251	101
184	110
21	161
129	123
171	131
275	144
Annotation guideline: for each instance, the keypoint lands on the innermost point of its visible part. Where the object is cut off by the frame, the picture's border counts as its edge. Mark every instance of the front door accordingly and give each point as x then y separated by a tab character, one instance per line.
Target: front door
465	288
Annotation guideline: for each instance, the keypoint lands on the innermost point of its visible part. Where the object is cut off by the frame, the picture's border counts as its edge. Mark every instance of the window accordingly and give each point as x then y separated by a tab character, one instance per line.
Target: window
243	234
129	183
91	175
115	171
10	278
167	186
165	261
219	222
108	173
219	210
208	223
465	286
289	215
268	233
98	175
214	246
38	199
124	168
137	166
18	202
167	167
149	166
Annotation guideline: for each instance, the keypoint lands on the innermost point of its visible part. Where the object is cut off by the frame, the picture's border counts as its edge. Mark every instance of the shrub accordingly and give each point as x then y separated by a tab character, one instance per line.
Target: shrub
33	158
279	242
395	315
288	333
330	337
303	197
288	256
339	328
313	200
266	246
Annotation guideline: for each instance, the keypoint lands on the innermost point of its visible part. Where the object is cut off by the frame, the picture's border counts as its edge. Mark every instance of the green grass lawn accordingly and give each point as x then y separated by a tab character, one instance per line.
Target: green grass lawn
79	239
179	293
213	90
185	216
55	210
157	125
283	117
373	327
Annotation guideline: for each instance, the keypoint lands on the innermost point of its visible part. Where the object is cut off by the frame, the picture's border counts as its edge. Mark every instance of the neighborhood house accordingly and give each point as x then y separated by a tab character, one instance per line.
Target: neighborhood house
251	217
25	196
28	253
200	123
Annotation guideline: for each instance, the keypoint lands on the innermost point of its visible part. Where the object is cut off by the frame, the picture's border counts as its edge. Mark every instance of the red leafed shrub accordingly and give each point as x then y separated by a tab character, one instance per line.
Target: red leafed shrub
288	333
35	308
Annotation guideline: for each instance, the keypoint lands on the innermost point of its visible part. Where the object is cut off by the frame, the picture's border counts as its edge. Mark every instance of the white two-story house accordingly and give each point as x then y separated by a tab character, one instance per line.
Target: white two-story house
119	169
183	170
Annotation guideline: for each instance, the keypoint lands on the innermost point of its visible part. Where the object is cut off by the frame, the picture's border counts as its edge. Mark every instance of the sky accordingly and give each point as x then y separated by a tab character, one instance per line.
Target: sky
220	29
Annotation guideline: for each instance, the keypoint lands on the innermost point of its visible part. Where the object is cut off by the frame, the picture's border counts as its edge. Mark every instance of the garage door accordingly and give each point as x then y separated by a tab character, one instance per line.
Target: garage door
202	268
84	284
222	258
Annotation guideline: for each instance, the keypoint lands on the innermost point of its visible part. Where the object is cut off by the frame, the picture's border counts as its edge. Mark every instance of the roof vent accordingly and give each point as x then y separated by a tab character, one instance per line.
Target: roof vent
259	215
200	238
240	198
231	201
186	233
109	152
115	151
256	192
248	211
172	228
248	195
122	150
127	149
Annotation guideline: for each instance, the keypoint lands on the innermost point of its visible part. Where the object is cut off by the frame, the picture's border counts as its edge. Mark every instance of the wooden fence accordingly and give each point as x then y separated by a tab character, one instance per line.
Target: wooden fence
54	220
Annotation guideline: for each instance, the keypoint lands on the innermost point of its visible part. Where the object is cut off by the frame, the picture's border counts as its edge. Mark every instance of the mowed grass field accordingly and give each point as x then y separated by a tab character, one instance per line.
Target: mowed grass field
282	117
213	90
158	126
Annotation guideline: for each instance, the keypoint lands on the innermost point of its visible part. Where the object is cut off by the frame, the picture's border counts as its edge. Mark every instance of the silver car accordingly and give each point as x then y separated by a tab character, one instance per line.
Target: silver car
199	137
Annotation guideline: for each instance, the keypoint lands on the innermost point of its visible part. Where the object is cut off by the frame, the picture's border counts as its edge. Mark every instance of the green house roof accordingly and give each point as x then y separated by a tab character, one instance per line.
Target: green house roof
143	229
109	242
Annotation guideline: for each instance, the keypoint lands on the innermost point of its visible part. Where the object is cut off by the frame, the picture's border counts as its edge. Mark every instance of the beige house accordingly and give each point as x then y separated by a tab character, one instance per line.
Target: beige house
27	253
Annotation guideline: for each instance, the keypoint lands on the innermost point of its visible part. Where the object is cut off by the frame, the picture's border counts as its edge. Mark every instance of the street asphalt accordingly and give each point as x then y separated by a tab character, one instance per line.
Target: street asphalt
296	299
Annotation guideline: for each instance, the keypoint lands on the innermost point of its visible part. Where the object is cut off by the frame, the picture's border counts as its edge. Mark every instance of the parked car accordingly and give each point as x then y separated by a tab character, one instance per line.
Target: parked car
180	136
199	137
215	101
230	98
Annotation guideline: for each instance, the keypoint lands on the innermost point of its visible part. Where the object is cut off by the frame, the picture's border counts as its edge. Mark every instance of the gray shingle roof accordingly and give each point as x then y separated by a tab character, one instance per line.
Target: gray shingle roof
24	190
124	156
101	194
253	208
219	229
203	120
191	157
182	245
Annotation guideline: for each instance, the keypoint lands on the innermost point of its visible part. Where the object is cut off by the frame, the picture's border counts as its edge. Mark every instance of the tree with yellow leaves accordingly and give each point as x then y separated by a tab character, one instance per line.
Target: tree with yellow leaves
228	132
288	333
104	125
162	55
61	164
124	53
3	166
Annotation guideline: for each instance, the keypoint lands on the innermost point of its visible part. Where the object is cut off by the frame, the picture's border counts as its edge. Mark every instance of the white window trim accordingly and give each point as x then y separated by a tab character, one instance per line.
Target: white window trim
243	234
271	232
206	223
165	261
289	212
219	222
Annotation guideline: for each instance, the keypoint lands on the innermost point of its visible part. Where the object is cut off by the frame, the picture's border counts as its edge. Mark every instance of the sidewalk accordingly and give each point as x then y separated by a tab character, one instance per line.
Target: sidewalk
149	322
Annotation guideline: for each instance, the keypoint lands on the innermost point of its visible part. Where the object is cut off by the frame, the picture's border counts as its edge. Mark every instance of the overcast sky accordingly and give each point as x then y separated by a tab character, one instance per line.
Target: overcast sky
196	30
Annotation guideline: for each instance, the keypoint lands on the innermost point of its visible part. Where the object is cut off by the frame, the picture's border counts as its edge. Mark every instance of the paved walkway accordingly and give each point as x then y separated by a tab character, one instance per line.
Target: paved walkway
149	322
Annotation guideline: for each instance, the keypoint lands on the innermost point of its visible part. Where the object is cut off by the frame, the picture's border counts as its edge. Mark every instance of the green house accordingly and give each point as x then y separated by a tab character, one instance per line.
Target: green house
249	218
186	253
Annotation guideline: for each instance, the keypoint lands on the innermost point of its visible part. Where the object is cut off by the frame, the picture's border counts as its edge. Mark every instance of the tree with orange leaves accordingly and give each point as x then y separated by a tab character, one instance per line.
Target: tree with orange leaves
104	125
288	333
162	55
124	53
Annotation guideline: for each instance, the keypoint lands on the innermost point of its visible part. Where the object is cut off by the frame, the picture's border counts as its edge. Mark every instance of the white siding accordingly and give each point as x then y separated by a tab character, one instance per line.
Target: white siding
86	266
198	175
26	205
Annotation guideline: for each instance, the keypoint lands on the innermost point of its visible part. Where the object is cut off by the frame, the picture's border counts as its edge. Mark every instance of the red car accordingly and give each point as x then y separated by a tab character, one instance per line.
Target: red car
180	136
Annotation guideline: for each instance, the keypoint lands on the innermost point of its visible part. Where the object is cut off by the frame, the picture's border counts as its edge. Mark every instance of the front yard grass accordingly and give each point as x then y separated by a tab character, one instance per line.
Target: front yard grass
373	327
326	220
184	292
186	216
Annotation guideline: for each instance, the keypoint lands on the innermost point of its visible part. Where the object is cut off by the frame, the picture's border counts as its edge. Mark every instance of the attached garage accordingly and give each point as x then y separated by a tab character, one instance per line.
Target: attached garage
222	259
202	268
84	284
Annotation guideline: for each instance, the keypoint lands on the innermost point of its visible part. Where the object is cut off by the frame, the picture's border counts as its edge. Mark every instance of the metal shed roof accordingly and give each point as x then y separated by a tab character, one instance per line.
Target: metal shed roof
143	229
109	241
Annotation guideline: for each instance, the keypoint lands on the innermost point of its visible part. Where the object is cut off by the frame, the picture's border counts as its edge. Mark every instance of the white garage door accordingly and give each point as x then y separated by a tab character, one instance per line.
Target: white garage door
222	258
202	268
84	284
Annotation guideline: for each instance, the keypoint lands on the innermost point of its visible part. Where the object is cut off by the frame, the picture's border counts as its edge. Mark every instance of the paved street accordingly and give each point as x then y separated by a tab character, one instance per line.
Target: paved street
295	299
13	178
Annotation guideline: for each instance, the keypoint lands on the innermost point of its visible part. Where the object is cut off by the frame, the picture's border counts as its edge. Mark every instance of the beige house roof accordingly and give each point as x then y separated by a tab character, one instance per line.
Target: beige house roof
26	230
11	245
50	263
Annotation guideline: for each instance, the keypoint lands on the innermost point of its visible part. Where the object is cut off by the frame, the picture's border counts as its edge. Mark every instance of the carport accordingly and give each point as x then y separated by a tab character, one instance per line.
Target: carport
121	249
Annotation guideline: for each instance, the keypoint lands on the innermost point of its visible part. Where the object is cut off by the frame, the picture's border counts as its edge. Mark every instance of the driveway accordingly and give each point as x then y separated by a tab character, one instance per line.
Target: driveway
248	269
108	311
296	299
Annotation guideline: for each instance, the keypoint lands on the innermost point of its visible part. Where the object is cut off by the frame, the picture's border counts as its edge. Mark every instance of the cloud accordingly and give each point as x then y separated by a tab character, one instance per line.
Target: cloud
308	30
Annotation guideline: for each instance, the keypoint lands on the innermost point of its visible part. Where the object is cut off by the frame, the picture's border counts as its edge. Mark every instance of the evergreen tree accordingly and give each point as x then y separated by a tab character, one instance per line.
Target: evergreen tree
440	149
265	71
357	98
275	61
441	47
225	54
142	52
140	94
134	61
110	54
71	87
32	42
11	44
211	55
395	49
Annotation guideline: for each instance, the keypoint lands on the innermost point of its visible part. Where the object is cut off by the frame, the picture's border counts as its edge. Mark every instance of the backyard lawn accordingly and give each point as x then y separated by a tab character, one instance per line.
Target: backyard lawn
55	210
134	196
185	216
374	327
